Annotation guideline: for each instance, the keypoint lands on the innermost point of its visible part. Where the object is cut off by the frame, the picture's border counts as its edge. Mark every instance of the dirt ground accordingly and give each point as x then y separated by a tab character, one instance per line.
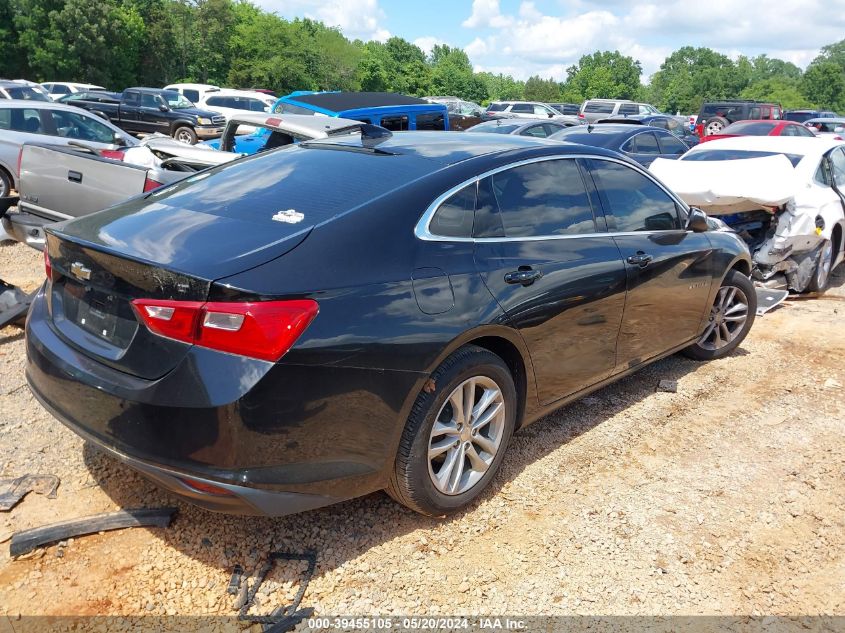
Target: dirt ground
723	498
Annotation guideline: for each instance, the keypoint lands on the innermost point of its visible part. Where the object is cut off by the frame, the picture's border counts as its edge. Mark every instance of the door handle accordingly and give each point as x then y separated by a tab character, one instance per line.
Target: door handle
640	259
74	176
525	276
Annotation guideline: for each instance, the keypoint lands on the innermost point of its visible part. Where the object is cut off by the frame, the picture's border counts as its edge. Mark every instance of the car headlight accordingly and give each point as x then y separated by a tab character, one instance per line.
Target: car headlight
203	121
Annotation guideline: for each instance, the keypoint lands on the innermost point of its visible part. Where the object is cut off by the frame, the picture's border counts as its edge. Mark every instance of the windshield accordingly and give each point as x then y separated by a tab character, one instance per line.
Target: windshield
736	154
177	101
25	92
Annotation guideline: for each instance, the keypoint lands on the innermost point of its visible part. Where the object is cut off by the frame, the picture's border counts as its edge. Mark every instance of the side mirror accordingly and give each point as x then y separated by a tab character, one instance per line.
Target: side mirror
550	115
118	140
163	107
697	221
839	129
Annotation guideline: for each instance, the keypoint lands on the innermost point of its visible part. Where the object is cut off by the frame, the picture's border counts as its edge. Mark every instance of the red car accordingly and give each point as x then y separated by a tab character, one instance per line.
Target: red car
761	128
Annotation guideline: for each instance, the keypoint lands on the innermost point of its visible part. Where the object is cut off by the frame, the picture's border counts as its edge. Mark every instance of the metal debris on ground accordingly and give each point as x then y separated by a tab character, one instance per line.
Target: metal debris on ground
235	581
13	490
14	303
28	540
281	618
670	386
769	298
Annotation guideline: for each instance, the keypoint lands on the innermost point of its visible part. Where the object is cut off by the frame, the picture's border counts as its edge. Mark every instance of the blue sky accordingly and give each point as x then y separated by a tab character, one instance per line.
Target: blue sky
525	37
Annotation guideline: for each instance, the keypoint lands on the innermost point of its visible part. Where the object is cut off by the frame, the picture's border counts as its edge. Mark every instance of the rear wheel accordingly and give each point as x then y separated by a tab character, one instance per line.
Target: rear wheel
715	126
456	435
5	183
731	317
821	276
185	134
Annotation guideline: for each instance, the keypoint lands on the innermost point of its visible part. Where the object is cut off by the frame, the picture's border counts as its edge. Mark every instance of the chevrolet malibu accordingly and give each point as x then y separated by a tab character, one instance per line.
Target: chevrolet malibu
322	321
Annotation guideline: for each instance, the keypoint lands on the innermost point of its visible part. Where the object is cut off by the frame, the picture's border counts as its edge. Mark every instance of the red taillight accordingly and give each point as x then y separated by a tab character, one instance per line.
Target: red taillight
265	329
48	268
581	115
116	154
838	138
150	184
699	130
209	489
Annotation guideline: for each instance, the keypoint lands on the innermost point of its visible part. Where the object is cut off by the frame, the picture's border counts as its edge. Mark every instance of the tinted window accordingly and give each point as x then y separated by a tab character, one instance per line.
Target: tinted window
149	101
646	143
538	131
543	199
431	122
800	130
256	105
289	108
132	98
454	217
635	202
25	120
60	90
542	110
191	95
670	145
5	119
78	126
27	93
215	101
736	154
752	128
629	108
523	108
822	175
395	123
599	107
497	107
800	116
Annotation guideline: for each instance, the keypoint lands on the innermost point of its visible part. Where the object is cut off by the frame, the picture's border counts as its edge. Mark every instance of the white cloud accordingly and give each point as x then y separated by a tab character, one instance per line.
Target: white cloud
428	43
486	13
356	18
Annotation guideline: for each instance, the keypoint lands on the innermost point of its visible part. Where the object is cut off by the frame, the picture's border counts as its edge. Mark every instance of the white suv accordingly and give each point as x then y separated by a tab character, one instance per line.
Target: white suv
525	110
594	109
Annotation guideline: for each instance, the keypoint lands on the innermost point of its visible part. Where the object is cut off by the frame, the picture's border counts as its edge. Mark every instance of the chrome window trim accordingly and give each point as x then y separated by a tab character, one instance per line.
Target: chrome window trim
422	232
633	136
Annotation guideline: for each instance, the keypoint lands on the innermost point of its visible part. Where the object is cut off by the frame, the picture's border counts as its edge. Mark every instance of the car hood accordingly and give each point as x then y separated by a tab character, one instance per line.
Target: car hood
730	186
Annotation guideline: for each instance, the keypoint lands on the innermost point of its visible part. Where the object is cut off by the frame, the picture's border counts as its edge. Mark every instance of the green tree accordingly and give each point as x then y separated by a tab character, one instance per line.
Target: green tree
452	74
779	89
824	85
502	87
545	90
689	76
604	74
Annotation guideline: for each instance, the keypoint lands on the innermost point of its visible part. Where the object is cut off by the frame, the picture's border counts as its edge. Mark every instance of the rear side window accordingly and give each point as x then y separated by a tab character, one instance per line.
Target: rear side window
538	131
646	143
431	122
454	217
215	102
5	119
25	120
59	89
634	201
671	145
289	108
523	108
395	123
542	199
629	108
599	107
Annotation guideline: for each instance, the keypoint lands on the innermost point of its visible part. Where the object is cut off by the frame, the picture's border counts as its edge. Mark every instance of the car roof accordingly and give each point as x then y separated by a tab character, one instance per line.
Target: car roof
826	119
340	101
200	86
449	148
235	92
41	105
799	145
603	134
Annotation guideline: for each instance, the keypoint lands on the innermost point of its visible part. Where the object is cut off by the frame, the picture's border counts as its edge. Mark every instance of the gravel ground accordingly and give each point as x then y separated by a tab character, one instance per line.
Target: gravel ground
723	498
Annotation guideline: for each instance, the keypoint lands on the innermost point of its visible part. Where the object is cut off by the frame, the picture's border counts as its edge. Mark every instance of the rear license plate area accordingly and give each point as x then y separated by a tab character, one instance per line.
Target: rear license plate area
105	315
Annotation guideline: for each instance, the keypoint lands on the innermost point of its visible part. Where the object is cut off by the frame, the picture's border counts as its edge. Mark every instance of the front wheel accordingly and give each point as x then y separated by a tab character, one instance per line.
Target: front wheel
456	435
185	135
821	276
731	317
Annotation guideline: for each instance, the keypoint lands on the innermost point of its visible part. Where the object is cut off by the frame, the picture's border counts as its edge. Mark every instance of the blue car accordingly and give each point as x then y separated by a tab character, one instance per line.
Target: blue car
389	110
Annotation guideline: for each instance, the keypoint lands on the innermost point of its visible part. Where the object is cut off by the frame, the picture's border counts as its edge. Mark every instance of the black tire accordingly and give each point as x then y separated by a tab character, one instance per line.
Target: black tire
412	481
185	134
705	348
5	183
715	125
824	266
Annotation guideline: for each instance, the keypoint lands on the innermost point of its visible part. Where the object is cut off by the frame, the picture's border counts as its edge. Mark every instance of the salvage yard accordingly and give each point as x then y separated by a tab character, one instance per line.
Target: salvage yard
725	497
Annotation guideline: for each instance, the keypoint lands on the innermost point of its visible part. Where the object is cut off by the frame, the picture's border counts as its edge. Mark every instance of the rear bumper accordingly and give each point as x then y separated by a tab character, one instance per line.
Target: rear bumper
26	227
279	438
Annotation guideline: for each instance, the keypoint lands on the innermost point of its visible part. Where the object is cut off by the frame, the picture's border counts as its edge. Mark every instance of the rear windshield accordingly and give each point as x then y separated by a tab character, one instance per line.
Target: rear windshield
293	187
799	117
25	92
496	128
736	154
757	128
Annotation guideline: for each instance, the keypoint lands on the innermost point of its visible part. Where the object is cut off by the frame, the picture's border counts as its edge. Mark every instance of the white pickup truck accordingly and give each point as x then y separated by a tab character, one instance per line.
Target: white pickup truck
61	183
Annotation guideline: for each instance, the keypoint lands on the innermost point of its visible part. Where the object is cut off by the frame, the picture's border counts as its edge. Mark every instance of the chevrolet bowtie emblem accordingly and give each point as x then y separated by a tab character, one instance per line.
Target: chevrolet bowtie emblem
80	271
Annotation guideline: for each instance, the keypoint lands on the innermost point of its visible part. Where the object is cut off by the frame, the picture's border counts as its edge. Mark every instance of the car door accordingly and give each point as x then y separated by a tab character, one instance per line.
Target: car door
669	269
130	112
150	114
670	146
554	270
826	192
643	148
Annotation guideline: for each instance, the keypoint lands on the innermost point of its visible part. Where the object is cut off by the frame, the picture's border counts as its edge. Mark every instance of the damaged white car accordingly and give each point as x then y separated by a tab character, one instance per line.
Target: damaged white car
785	196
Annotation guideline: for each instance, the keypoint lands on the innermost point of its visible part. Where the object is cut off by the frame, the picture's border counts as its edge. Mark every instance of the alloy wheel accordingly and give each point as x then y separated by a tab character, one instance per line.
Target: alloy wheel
727	318
714	127
466	435
184	136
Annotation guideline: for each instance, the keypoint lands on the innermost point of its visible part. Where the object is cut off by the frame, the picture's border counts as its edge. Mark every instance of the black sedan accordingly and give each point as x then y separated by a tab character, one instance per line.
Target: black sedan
642	143
538	128
337	317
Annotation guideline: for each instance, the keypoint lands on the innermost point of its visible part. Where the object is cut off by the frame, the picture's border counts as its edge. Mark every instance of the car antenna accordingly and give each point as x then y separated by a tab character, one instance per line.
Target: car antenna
372	135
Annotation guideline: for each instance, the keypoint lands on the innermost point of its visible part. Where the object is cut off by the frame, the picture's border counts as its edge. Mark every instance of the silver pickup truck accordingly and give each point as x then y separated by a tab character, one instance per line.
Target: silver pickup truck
60	183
